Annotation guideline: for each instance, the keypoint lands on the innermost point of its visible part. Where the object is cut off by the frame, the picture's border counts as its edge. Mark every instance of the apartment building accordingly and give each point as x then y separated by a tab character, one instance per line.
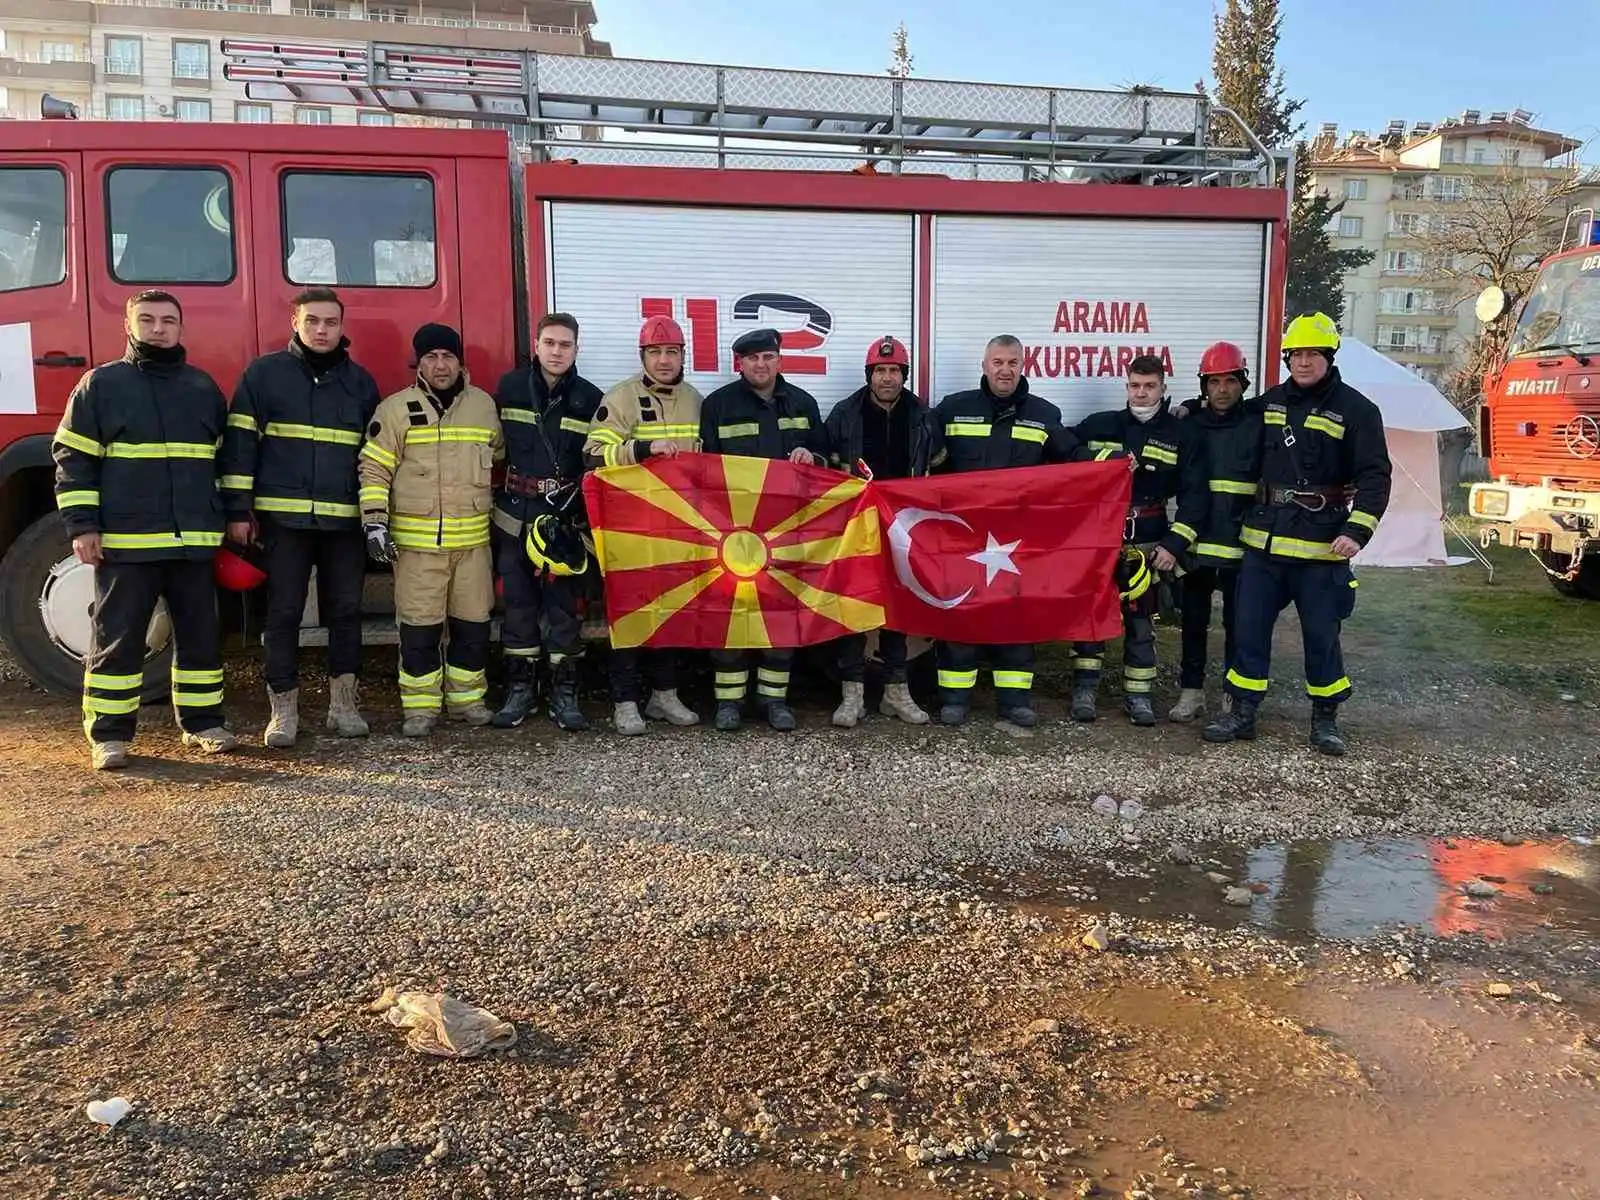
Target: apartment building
1393	184
161	60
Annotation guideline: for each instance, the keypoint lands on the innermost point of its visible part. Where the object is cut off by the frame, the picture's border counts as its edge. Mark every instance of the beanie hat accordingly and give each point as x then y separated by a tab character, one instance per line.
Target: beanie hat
432	337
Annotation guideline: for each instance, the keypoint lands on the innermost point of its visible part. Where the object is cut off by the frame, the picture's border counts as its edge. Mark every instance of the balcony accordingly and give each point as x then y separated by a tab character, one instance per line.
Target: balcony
52	71
507	23
119	67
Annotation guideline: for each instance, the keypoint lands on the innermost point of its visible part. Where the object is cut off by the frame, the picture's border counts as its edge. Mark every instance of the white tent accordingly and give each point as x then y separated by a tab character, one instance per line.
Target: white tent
1411	533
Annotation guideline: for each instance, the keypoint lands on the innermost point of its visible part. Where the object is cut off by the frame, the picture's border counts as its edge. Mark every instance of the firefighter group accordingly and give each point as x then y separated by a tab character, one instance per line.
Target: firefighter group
169	491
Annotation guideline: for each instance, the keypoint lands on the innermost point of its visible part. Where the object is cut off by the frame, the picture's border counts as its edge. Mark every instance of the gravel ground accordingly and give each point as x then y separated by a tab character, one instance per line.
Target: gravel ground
755	965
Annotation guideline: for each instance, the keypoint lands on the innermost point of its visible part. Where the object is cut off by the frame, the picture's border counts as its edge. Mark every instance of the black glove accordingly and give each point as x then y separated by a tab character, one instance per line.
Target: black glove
380	546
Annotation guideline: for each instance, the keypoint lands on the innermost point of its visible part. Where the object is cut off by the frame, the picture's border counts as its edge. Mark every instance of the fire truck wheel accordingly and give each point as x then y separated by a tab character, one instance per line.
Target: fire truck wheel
44	614
1585	587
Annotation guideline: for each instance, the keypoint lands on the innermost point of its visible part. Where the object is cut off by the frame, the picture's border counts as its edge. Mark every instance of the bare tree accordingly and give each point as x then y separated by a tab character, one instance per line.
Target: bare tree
1494	230
900	59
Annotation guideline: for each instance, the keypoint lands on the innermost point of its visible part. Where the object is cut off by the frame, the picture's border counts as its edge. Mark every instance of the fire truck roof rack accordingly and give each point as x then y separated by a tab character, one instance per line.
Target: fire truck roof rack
640	111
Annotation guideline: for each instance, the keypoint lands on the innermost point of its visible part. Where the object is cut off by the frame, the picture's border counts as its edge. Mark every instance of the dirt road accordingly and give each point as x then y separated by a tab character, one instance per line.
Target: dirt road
817	966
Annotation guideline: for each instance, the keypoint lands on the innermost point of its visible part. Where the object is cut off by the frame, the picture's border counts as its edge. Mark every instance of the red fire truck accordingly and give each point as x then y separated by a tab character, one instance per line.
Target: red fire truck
1093	225
1539	425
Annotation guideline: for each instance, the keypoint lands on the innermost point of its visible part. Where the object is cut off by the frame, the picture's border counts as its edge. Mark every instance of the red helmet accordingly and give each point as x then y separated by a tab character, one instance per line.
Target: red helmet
888	351
1222	358
660	331
235	572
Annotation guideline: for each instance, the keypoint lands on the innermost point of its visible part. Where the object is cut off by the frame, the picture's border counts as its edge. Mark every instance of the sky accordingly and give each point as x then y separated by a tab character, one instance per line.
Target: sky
1360	63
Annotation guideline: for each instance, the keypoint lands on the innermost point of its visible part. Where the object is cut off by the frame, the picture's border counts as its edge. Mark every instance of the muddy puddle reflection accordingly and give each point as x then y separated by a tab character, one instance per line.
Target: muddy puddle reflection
1346	889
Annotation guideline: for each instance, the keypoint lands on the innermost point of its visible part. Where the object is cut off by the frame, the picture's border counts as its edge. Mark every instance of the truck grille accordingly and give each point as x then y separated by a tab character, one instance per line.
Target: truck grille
1560	426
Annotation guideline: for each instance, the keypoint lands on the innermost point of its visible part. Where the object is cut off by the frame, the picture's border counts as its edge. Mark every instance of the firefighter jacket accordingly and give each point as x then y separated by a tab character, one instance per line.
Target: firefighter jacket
1324	468
136	458
294	433
845	432
426	467
734	420
545	429
1233	468
974	431
1171	461
637	412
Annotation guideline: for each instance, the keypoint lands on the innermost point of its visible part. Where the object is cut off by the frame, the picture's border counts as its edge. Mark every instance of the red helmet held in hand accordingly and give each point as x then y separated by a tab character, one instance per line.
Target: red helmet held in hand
660	331
1222	358
235	572
888	351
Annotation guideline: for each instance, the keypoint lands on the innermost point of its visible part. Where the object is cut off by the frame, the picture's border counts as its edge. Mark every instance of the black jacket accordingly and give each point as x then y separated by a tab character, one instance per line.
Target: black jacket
294	433
1337	443
845	434
136	459
1233	457
734	420
1172	464
974	431
545	428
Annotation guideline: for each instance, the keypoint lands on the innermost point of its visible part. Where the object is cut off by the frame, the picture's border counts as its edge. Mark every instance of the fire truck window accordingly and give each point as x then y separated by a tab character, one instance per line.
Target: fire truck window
170	225
359	230
33	223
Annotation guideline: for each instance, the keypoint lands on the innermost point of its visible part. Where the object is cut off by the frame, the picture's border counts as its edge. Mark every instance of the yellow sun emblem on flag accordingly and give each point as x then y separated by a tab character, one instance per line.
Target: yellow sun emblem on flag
738	552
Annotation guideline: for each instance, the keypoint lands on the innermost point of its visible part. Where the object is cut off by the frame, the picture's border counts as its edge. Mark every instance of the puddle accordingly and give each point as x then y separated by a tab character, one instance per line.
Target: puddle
1347	889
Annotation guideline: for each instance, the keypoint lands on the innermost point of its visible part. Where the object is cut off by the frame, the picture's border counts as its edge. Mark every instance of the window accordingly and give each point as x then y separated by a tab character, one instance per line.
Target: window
1408	224
123	55
395	14
1408	300
252	114
1403	262
374	118
321	8
1449	155
1447	187
1350	227
1355	189
58	52
192	110
359	230
1514	158
124	108
33	227
191	60
170	224
313	116
1477	157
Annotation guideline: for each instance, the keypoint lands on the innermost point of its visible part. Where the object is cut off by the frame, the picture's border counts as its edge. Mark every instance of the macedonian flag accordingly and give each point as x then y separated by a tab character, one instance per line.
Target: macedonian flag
707	551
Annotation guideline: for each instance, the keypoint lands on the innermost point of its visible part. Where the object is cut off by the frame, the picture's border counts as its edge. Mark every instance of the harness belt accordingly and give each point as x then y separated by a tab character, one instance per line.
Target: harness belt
1311	497
1135	512
519	484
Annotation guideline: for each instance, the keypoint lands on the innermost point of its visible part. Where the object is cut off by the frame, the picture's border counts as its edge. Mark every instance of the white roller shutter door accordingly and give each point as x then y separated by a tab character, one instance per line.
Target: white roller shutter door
1084	295
833	282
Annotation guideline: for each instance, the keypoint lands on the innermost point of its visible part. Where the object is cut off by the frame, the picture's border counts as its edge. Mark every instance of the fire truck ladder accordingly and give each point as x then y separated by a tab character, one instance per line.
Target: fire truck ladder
644	112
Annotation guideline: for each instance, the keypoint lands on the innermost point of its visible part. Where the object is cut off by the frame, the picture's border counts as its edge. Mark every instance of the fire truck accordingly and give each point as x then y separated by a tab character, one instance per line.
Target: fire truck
1539	425
1093	225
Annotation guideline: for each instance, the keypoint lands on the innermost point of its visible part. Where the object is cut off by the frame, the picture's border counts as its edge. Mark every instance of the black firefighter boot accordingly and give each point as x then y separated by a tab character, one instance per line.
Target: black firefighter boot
564	709
1325	734
1238	724
522	692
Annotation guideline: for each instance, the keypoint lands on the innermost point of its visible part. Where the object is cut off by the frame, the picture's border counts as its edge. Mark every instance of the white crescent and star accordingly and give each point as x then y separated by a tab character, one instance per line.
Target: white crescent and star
995	558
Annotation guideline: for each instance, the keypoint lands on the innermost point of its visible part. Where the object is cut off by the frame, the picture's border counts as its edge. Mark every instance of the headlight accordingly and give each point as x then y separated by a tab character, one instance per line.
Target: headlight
1490	502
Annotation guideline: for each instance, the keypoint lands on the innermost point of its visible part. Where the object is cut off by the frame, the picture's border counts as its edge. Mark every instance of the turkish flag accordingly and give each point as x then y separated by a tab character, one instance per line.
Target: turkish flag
1021	555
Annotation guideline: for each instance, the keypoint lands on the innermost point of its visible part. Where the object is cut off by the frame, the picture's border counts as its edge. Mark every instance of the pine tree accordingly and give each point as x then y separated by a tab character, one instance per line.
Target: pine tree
1244	58
1316	269
900	52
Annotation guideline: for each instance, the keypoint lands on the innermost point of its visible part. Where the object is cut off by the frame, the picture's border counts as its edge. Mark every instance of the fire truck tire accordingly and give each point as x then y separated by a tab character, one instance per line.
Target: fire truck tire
1585	587
44	616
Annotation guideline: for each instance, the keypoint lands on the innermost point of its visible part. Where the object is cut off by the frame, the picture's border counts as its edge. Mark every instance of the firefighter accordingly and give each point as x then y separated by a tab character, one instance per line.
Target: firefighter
759	415
1168	461
425	500
289	478
1232	437
137	486
886	428
653	414
1325	478
545	409
999	423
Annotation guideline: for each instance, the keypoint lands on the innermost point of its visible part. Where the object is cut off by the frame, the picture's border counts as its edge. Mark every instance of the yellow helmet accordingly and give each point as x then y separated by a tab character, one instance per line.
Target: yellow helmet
555	546
1133	575
1313	331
